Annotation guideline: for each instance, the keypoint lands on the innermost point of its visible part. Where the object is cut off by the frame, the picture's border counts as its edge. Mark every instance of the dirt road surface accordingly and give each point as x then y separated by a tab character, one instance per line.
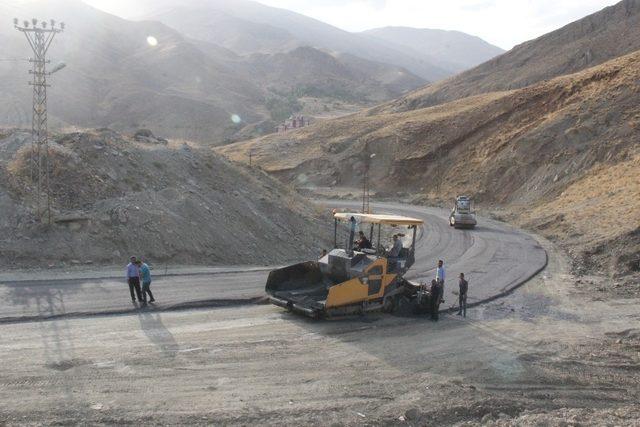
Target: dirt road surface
544	354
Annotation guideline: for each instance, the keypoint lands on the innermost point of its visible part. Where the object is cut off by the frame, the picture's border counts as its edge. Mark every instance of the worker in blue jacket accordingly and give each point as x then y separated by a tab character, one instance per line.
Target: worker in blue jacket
145	275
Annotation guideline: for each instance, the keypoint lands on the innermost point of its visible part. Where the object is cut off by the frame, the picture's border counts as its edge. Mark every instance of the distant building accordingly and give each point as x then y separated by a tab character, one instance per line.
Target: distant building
293	122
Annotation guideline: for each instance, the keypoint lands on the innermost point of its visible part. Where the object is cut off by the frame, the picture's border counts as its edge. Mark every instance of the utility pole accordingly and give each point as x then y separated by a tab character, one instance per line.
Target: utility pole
40	35
366	208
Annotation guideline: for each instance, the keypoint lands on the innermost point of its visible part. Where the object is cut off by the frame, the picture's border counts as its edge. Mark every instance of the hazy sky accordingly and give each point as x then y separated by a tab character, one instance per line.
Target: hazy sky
502	22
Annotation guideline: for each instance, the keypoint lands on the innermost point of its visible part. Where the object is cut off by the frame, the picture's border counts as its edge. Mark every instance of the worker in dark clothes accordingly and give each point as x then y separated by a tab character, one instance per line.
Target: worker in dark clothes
133	278
352	234
434	292
440	274
462	296
362	242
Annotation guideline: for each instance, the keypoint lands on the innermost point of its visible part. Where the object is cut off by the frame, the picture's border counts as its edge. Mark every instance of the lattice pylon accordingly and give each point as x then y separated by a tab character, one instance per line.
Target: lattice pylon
40	36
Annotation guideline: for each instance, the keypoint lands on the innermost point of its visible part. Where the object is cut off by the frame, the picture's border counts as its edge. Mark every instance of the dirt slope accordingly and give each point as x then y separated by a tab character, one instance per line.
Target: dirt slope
561	155
171	202
593	40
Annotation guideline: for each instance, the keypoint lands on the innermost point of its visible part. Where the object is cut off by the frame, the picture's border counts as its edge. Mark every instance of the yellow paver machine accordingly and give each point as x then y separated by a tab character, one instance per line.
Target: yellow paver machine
350	280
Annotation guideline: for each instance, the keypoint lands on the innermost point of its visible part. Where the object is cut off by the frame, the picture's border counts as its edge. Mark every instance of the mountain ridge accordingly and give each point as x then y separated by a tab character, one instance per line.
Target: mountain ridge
180	88
292	29
461	50
612	32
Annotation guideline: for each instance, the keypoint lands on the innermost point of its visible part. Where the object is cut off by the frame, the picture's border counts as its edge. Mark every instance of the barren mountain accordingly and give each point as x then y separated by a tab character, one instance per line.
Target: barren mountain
250	27
180	88
562	156
221	23
593	40
452	50
312	72
115	78
172	202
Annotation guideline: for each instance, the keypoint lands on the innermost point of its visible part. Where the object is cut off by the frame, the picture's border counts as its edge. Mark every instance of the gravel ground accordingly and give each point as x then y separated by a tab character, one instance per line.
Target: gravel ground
545	355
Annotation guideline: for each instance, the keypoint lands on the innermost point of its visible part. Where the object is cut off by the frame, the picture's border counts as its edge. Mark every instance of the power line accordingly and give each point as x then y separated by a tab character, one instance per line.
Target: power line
40	36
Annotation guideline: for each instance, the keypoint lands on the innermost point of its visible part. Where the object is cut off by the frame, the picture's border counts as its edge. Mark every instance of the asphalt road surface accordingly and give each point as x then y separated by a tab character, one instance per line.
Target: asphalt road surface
494	256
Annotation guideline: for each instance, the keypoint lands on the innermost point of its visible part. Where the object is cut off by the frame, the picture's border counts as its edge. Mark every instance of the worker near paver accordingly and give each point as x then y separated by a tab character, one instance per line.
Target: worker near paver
133	278
440	276
352	233
396	248
362	242
394	253
462	296
145	276
435	292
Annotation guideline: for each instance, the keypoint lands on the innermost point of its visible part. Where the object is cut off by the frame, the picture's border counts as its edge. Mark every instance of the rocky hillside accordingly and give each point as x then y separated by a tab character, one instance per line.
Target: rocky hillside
307	71
172	202
590	41
562	156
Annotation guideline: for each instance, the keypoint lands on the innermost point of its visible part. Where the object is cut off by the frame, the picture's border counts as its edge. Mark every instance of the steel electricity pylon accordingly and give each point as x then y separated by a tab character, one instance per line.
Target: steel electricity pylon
40	35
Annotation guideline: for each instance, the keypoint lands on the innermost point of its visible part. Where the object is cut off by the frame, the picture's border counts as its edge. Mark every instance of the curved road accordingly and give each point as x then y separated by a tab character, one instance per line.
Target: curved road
495	257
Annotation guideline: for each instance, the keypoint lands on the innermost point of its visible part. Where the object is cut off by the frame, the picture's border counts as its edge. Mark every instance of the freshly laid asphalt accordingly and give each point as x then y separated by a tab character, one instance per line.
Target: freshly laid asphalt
495	257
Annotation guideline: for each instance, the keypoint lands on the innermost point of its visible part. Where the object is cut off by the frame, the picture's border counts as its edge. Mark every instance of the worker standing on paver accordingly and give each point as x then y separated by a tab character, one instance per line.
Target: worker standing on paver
396	248
440	276
145	275
133	278
462	296
394	253
352	233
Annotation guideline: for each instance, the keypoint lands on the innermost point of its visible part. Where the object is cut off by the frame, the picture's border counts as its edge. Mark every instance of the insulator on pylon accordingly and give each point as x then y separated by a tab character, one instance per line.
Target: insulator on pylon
15	21
34	21
26	24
